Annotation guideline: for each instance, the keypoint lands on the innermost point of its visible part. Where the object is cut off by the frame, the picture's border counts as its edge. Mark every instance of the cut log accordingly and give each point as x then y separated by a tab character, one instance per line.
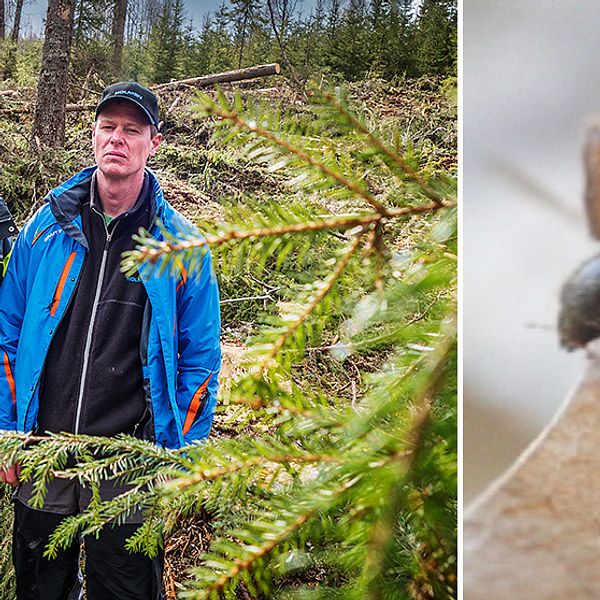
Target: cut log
227	76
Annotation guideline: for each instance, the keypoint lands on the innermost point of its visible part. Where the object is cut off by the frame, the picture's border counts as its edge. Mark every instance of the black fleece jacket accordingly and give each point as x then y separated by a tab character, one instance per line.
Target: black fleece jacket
92	381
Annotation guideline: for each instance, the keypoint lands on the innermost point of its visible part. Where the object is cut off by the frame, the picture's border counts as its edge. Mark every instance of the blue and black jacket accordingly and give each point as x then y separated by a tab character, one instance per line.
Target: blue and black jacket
180	334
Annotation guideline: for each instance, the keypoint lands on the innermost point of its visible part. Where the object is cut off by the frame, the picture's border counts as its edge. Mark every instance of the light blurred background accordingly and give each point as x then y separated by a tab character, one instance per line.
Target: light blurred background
531	82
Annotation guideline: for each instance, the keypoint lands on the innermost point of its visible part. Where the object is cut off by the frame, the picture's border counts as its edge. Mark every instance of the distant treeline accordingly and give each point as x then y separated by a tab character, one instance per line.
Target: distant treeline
349	39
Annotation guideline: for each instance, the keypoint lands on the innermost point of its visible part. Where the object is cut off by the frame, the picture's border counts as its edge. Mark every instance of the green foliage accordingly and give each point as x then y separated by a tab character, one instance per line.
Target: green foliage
20	64
165	43
25	179
436	36
358	485
340	39
7	577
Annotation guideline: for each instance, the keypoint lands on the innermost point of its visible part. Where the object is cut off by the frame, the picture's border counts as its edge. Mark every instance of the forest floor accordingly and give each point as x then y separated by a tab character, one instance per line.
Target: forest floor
205	182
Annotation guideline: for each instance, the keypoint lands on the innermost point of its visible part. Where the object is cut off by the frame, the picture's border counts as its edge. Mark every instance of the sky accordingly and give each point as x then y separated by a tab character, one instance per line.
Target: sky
34	12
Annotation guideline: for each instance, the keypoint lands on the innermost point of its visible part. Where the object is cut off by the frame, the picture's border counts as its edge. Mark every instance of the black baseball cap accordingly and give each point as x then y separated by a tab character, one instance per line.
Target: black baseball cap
133	92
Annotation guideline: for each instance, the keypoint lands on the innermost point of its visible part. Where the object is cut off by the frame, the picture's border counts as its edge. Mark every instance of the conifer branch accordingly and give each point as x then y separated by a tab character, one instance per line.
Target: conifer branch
259	403
377	143
259	461
152	253
301	318
378	557
241	565
275	539
234	118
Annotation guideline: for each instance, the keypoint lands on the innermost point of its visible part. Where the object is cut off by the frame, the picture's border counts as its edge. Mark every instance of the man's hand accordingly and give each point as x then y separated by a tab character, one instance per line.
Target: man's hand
10	474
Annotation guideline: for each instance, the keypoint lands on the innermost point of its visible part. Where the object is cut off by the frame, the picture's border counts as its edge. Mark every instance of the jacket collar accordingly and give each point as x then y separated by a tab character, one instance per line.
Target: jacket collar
66	201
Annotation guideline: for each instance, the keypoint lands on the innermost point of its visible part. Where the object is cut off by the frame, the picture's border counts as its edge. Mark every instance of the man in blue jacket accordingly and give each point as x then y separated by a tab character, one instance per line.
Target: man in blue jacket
85	349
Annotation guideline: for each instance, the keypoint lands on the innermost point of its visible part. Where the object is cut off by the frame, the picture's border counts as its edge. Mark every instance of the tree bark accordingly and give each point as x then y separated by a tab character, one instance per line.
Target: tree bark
227	76
49	121
2	21
17	23
118	31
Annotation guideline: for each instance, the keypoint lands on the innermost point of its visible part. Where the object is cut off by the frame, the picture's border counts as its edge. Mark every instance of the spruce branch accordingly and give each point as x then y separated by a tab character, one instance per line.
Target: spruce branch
241	565
379	555
379	145
233	117
302	317
258	461
152	251
273	537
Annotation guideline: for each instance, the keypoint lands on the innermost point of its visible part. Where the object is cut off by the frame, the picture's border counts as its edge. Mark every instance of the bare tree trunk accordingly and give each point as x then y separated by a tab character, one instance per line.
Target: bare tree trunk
49	122
243	43
17	23
2	21
118	31
279	31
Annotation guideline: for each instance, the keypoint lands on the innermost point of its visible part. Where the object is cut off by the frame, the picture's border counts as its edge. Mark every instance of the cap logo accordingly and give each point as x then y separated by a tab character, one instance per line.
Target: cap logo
129	93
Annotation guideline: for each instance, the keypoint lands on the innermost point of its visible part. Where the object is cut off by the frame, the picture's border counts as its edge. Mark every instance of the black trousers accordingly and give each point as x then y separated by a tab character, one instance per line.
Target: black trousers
112	573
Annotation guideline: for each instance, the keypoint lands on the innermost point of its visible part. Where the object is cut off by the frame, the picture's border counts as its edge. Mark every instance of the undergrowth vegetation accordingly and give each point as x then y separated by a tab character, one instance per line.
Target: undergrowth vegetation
331	472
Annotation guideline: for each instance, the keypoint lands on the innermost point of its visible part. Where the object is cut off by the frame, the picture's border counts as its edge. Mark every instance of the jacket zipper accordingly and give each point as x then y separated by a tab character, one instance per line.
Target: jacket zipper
88	339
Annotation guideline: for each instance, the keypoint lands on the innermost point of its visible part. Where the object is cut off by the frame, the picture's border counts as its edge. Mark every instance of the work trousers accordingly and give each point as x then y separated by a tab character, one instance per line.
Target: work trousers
111	572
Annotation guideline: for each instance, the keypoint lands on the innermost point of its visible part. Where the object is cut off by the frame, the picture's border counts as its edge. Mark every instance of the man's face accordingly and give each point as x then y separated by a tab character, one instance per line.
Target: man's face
122	140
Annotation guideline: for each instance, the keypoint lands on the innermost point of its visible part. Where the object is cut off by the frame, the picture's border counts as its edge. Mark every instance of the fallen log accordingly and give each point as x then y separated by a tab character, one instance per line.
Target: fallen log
204	81
226	77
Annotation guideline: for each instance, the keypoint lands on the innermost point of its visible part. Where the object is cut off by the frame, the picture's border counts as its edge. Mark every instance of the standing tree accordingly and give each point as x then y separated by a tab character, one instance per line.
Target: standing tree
398	49
280	12
165	42
377	19
49	121
434	36
118	31
17	22
350	55
2	21
307	42
245	17
220	53
11	57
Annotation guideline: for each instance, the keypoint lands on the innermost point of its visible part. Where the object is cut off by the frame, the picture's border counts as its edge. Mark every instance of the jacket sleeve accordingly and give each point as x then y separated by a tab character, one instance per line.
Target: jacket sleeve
13	294
199	326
